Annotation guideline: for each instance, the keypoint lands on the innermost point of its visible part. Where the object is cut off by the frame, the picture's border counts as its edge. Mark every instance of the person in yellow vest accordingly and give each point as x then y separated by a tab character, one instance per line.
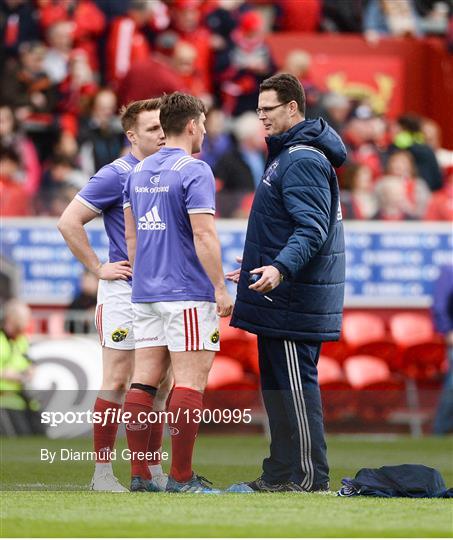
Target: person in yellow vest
15	370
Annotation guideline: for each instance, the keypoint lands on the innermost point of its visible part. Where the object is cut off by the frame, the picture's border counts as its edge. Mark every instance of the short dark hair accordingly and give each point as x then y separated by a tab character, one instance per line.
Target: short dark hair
177	109
410	122
288	89
129	113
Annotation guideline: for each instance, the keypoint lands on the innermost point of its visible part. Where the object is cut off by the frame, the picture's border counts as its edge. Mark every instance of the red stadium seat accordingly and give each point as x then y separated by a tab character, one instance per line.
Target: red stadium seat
411	329
336	392
365	334
377	392
423	353
364	371
330	373
423	357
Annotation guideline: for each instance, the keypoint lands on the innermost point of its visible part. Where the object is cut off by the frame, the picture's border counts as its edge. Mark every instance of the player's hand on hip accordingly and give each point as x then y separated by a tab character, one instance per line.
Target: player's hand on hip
234	274
115	270
270	278
224	302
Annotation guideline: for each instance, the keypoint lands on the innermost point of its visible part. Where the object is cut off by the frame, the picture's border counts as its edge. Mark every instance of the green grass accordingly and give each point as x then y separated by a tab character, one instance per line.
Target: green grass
224	459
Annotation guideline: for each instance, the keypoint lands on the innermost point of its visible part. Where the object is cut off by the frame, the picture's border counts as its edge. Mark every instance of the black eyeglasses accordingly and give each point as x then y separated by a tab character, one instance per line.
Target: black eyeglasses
266	110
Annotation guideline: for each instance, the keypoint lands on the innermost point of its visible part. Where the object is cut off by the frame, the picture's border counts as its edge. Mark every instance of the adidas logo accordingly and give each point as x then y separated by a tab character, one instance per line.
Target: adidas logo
151	221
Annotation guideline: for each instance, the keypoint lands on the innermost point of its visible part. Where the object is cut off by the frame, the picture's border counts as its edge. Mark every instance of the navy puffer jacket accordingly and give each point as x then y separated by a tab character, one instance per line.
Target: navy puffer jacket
295	224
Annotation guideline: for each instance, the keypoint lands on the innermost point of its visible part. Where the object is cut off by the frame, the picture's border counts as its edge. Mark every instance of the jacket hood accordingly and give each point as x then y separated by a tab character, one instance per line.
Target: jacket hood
316	133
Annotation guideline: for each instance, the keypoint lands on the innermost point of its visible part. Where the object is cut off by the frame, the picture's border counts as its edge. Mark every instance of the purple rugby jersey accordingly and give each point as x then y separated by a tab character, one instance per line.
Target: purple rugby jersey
104	195
162	191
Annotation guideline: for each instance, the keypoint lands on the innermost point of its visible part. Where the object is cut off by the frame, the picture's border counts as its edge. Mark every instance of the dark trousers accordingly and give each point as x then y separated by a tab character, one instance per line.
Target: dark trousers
443	422
289	384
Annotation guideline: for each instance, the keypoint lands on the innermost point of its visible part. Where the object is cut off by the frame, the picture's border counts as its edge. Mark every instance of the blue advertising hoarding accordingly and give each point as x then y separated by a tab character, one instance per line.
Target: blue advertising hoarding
388	264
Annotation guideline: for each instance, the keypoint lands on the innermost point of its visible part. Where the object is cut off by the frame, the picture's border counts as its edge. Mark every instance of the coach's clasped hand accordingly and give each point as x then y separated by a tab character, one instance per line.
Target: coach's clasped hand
270	279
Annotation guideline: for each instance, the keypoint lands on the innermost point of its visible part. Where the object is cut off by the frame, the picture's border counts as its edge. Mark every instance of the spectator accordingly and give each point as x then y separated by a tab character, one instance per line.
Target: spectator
222	21
61	181
440	207
344	16
401	165
89	26
75	95
216	142
16	412
250	63
337	108
241	168
101	136
14	200
298	63
407	135
186	22
185	64
358	200
87	19
29	91
60	40
392	202
17	25
434	15
443	318
27	86
433	138
127	42
11	137
76	91
164	80
387	17
359	137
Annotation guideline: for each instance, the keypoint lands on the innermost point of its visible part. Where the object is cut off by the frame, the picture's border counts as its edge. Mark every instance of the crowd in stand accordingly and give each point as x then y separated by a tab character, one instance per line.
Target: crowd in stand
67	66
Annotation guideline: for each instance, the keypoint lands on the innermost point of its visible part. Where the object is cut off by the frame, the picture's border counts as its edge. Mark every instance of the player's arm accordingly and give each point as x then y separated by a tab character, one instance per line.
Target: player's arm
71	226
207	247
131	233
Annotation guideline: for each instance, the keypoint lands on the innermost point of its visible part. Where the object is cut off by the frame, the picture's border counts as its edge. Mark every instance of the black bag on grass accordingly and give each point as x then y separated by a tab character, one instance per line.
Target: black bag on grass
415	481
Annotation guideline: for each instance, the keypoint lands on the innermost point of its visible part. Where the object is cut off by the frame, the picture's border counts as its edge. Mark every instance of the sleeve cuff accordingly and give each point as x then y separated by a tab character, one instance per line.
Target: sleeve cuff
282	269
88	204
127	204
201	211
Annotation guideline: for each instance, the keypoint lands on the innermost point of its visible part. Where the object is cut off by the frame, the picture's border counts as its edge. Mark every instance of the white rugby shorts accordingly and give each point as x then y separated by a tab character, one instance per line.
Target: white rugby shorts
114	315
181	326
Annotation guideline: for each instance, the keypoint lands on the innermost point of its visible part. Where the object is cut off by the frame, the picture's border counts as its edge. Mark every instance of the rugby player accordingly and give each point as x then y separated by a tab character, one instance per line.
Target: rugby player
104	195
169	202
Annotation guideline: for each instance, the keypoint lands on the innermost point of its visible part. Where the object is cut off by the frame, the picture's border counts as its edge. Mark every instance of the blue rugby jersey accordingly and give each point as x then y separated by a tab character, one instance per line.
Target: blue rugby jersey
162	191
104	195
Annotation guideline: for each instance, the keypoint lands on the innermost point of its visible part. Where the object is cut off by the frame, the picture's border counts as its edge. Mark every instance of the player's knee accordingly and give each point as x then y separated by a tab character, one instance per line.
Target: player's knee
116	383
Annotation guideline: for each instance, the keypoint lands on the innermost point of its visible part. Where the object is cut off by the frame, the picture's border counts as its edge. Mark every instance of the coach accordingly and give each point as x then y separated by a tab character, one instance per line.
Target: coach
295	246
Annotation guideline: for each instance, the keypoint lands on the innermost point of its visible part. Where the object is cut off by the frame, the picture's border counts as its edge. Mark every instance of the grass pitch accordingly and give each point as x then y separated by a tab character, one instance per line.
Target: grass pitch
43	500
